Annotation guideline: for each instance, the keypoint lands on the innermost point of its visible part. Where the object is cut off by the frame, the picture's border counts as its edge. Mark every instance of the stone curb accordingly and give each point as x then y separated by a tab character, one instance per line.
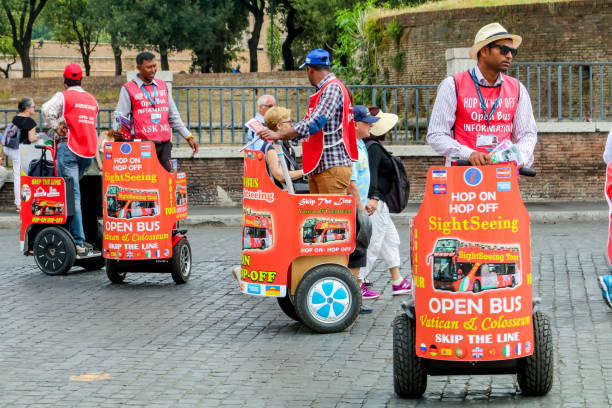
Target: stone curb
235	220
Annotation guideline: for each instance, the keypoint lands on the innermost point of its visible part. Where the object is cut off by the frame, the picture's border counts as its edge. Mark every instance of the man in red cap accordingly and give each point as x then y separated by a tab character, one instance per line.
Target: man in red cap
72	114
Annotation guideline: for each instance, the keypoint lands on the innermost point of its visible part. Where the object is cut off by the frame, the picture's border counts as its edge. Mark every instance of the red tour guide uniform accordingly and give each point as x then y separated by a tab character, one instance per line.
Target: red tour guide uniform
312	148
150	110
484	114
80	112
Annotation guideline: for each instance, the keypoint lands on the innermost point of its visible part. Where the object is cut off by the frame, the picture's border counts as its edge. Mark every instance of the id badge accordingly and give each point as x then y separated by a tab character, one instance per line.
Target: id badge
156	118
486	140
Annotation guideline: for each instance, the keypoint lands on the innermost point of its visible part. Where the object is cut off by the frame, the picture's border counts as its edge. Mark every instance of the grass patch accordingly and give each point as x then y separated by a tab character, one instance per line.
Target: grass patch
454	4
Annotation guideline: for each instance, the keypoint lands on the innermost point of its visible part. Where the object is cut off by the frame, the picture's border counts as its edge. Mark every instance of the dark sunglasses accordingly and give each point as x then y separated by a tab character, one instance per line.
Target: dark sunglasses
504	49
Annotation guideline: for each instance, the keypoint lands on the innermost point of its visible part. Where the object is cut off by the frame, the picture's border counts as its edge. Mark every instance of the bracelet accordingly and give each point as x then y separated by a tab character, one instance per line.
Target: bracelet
189	137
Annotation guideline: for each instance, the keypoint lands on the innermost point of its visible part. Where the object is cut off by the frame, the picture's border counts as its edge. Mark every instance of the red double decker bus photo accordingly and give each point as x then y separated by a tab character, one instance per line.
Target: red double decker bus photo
256	230
130	203
460	266
317	231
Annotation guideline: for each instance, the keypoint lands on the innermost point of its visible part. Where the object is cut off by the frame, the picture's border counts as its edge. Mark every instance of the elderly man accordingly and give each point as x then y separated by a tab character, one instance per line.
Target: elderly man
330	146
152	110
264	103
480	108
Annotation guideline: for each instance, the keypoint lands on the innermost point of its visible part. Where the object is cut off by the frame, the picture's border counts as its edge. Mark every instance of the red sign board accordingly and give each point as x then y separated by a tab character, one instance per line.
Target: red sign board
142	202
279	227
472	266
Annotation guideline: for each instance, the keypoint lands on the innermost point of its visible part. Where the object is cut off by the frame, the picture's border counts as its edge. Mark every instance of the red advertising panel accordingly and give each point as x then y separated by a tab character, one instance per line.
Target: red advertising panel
43	201
472	266
278	227
142	202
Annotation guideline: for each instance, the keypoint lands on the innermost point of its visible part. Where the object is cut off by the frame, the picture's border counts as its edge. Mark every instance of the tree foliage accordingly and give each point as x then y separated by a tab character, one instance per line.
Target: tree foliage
214	40
21	16
80	21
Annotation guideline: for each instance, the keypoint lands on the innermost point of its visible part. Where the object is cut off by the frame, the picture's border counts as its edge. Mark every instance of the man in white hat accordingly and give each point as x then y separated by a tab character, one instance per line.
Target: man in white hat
480	108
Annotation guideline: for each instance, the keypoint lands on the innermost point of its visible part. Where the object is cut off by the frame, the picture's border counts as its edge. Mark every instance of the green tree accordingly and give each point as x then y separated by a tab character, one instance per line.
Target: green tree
310	24
257	9
163	25
8	53
214	40
77	21
21	16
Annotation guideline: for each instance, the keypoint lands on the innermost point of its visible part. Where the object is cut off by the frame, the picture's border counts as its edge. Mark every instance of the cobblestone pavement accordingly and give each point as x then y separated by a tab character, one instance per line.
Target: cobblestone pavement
153	343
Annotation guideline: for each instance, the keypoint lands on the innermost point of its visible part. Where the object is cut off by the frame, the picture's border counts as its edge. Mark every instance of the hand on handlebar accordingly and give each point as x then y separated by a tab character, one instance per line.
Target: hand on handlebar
479	159
62	129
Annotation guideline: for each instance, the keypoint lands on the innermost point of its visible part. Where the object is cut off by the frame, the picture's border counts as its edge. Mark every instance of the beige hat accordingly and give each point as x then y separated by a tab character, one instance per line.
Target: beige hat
491	33
386	122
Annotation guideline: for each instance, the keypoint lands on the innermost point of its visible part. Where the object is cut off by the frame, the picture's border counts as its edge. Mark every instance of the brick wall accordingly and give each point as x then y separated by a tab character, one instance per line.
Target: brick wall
106	88
569	166
553	32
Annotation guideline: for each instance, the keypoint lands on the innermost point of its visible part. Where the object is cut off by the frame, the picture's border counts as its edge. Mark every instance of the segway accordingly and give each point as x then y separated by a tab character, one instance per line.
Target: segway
295	248
143	204
47	203
472	311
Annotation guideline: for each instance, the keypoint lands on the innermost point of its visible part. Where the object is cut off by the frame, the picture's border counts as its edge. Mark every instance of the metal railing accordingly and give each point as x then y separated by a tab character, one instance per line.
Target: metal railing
567	90
217	114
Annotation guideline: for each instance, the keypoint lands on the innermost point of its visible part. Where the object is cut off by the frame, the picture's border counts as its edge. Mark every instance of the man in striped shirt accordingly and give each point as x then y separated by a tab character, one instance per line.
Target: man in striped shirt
330	146
478	109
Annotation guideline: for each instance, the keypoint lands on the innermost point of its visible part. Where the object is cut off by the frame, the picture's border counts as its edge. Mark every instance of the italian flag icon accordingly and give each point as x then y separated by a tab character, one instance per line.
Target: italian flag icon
506	350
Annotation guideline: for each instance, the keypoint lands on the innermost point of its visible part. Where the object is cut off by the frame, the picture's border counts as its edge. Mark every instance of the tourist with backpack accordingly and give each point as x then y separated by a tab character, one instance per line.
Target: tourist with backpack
387	178
21	130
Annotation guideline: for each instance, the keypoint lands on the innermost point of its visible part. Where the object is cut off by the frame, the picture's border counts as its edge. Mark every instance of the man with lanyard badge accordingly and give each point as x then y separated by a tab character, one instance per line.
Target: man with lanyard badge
329	146
480	108
152	110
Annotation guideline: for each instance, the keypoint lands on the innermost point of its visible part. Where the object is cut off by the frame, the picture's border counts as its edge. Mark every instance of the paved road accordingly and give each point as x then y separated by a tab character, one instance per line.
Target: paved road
151	343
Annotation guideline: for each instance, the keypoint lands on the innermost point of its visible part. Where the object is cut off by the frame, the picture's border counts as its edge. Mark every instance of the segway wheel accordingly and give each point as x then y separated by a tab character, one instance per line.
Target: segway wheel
535	372
180	265
287	307
409	374
113	272
328	298
54	251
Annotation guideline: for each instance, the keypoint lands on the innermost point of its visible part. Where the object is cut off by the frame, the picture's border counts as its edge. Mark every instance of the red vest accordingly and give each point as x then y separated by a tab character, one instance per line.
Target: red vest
80	113
150	122
471	128
608	194
312	148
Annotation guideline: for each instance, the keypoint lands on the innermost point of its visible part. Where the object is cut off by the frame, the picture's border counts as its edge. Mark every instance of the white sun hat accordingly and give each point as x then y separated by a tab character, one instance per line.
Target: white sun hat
491	33
386	122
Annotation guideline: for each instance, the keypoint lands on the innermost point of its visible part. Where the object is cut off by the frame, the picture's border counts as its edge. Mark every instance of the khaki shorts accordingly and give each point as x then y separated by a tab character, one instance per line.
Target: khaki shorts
334	180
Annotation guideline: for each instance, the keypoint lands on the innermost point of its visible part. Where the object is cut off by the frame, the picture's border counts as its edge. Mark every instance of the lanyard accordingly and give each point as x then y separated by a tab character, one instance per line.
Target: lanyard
154	100
482	102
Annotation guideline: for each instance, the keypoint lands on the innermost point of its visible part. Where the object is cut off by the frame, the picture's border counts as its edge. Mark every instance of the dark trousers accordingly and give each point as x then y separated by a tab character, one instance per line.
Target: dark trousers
164	150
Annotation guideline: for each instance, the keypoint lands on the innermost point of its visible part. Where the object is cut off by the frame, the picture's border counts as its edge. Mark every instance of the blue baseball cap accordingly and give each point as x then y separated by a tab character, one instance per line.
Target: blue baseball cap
361	113
316	57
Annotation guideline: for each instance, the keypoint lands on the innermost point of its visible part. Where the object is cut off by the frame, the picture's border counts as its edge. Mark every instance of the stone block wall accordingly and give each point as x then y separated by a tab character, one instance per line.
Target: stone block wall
571	31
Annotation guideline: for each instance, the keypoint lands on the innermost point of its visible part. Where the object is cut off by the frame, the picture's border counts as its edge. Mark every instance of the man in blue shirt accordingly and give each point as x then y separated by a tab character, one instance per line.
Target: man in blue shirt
264	103
358	188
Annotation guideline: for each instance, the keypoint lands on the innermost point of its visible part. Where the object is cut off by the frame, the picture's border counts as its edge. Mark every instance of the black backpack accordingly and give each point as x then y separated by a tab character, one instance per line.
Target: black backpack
11	136
397	197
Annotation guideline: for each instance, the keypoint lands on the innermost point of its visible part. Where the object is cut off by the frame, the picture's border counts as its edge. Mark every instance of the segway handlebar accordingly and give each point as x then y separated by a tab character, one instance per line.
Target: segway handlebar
523	171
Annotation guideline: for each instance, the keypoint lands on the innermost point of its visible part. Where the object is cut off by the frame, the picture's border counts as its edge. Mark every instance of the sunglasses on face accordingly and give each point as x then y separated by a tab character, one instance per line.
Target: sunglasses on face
504	49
